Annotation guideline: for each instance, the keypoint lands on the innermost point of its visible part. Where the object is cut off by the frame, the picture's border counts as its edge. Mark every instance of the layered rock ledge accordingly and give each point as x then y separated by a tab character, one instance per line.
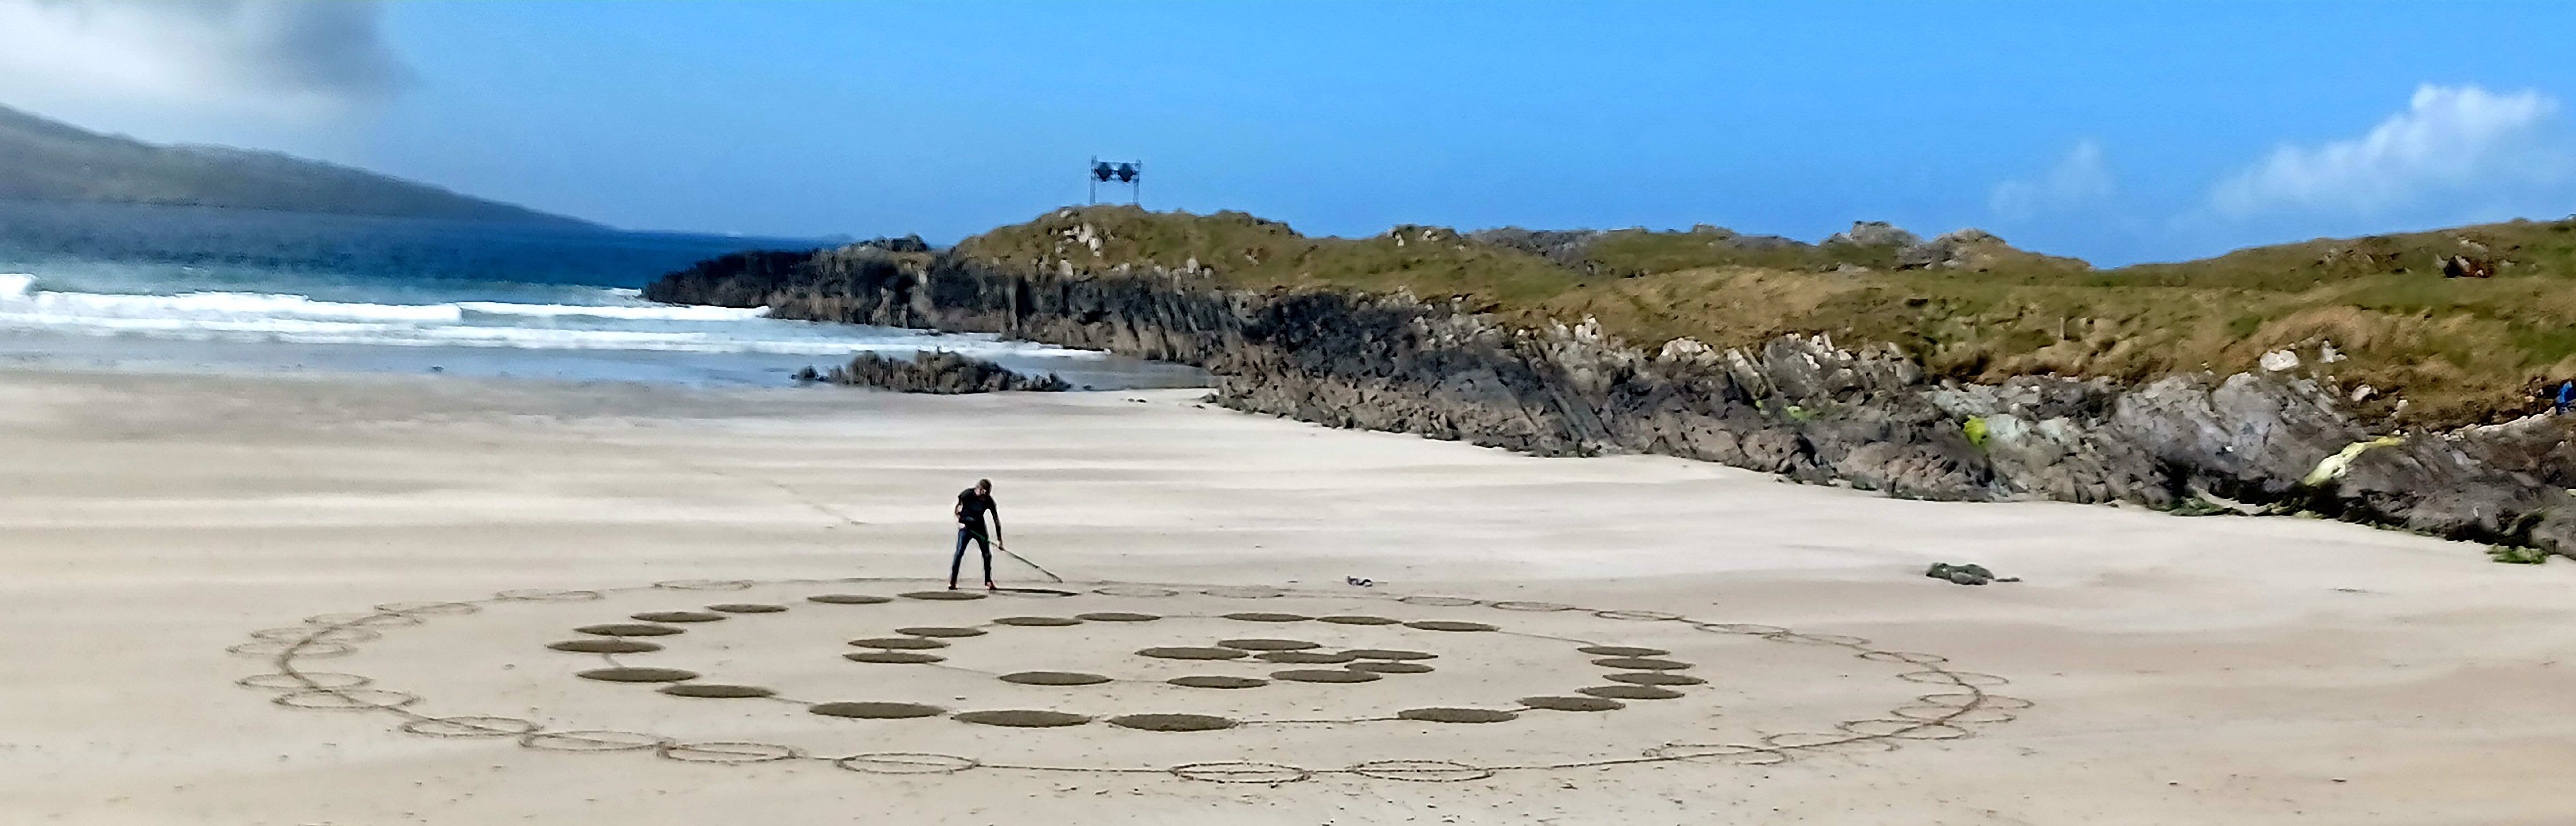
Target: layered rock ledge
1806	407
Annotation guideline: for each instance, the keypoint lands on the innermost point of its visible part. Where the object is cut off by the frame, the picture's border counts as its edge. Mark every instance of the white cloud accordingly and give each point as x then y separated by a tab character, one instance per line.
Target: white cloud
2449	140
2079	179
225	58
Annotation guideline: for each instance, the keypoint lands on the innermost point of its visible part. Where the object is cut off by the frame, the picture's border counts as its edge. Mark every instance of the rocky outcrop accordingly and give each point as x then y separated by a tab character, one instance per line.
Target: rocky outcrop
933	372
1806	407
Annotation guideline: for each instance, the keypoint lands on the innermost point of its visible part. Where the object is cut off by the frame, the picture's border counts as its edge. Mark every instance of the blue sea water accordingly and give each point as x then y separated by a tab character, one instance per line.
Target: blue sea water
193	288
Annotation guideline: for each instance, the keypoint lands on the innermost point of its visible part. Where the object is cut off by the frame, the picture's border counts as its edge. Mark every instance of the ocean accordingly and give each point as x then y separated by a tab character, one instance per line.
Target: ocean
125	287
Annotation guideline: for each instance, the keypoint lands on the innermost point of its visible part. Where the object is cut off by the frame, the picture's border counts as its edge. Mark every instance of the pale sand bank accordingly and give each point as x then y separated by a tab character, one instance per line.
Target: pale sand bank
2212	670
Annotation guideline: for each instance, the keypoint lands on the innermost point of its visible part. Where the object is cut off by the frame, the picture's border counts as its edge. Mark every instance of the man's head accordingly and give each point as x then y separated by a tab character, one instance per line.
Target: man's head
983	486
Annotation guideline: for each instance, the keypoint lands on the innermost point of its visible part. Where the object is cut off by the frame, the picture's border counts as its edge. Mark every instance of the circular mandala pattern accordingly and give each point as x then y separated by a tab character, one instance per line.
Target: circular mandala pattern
1961	703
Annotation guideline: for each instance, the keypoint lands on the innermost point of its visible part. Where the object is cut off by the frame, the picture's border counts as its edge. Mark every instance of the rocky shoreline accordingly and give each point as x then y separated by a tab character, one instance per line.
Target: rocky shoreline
932	372
1806	407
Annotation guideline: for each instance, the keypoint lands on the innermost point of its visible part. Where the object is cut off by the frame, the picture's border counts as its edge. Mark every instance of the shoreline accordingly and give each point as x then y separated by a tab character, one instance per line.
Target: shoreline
149	522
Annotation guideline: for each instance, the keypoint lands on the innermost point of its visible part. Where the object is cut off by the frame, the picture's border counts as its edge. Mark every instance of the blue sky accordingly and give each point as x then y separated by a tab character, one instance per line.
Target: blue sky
2116	132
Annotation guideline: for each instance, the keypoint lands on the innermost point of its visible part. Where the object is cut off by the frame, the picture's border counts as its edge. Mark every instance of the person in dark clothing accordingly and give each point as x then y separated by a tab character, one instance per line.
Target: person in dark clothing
972	504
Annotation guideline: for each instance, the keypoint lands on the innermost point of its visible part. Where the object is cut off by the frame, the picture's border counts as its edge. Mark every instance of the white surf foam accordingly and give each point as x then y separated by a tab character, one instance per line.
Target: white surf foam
660	312
632	325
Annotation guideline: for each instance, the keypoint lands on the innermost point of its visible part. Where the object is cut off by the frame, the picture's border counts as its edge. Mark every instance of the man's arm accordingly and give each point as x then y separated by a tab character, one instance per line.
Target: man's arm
996	509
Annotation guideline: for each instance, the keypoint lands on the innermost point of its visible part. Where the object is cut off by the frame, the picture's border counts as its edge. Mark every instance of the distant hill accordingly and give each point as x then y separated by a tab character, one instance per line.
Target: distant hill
46	160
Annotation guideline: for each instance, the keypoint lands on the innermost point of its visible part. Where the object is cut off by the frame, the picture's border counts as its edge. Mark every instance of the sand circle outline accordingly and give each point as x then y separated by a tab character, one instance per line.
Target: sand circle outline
1240	771
727	752
470	726
305	681
592	740
905	762
1420	771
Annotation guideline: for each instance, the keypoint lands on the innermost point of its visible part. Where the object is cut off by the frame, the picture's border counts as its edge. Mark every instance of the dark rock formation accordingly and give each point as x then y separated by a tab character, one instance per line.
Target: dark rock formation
933	372
1804	407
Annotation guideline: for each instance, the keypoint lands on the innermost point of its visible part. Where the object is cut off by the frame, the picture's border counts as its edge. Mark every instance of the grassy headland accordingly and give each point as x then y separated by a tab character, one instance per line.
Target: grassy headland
2455	350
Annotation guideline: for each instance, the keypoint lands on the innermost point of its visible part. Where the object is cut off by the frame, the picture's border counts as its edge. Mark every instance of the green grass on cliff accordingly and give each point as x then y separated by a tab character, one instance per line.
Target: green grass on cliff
2456	349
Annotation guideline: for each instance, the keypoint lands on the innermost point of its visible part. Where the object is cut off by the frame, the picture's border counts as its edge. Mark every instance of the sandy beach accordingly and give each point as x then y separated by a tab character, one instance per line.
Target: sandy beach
384	560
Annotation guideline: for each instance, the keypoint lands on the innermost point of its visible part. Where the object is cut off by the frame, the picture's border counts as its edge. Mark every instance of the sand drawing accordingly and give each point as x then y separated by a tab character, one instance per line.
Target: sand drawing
646	649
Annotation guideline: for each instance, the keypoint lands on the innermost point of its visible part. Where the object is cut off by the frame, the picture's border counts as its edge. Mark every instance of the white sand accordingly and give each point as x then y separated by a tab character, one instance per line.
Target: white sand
2214	670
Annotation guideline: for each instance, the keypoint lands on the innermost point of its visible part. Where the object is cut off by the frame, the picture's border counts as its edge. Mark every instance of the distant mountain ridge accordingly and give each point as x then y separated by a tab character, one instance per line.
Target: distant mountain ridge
47	160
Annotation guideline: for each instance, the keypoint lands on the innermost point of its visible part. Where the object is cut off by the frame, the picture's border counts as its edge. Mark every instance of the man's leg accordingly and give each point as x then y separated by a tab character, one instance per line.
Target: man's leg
957	559
987	547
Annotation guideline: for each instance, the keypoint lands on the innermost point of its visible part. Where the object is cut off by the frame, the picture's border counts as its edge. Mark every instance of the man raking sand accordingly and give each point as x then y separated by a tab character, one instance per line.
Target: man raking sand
972	504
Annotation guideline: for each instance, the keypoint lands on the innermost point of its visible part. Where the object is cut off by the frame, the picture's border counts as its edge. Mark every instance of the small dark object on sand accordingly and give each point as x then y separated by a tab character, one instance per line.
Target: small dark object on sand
1969	574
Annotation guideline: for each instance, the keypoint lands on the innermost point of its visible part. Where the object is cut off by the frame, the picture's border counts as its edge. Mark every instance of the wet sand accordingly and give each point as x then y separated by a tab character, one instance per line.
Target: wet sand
2175	670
